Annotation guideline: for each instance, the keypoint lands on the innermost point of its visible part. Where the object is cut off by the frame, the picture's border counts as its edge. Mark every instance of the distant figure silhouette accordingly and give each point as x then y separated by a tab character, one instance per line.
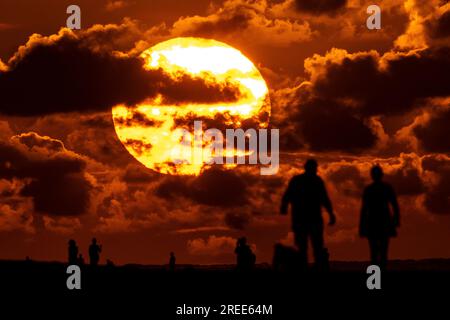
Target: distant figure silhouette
110	263
73	252
377	223
172	261
307	195
80	260
245	257
285	258
94	252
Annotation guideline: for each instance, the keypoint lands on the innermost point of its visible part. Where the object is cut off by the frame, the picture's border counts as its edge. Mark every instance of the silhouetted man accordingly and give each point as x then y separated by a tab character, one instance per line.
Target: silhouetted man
307	195
245	258
377	223
73	252
94	252
172	261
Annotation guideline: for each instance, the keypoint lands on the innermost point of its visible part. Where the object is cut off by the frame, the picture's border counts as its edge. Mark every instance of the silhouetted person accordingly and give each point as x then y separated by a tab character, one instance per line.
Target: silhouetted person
73	252
245	258
172	261
307	195
285	258
377	222
80	260
94	252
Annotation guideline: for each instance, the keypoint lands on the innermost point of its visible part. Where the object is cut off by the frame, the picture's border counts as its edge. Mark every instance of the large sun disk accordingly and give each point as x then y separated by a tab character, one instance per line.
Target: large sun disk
149	131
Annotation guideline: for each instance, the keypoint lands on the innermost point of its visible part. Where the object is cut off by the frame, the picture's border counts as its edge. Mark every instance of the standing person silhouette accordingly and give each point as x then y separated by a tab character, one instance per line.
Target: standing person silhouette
377	223
172	261
307	195
245	258
73	252
94	252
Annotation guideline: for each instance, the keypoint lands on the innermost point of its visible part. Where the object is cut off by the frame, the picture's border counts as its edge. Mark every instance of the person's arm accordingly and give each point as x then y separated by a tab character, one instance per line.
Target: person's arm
326	203
395	207
286	199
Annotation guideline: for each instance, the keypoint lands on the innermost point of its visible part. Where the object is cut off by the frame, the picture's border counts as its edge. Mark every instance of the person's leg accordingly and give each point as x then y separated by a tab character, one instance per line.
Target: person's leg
384	247
301	241
373	246
317	244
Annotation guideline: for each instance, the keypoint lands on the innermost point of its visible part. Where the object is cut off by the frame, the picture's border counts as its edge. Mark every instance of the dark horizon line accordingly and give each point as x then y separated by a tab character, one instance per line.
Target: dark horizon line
441	259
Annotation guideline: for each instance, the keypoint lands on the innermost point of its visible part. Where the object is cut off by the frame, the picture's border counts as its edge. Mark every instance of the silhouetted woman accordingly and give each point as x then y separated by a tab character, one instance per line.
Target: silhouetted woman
378	223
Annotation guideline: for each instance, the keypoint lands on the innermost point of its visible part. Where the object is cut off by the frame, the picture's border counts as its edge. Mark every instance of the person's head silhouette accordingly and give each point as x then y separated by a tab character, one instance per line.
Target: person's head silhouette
72	243
311	166
377	173
242	241
172	254
94	241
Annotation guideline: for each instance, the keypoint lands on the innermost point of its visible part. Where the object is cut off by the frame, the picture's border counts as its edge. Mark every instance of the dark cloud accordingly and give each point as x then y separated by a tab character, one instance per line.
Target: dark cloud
347	179
437	199
326	126
137	173
59	195
440	27
138	146
99	121
63	74
213	187
54	178
433	135
238	20
320	6
219	188
391	85
220	121
407	181
136	118
237	220
335	110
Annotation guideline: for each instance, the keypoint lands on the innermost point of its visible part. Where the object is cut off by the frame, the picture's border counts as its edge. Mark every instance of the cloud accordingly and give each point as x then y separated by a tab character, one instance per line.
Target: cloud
251	20
237	220
440	27
213	187
320	6
437	198
429	24
15	214
339	107
54	177
326	126
433	134
349	179
213	245
381	85
63	73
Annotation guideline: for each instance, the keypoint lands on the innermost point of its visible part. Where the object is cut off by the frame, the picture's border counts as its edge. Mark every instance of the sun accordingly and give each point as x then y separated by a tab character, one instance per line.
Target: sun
155	139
